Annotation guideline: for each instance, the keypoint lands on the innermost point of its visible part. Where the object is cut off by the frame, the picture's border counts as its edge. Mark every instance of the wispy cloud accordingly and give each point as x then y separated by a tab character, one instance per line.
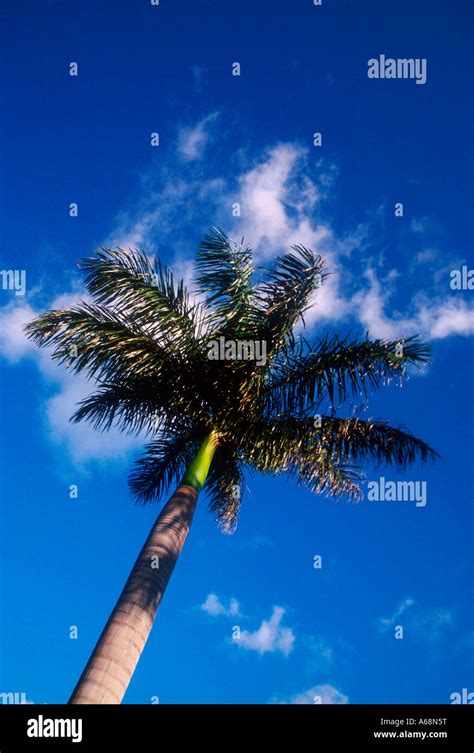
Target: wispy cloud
66	390
318	694
81	440
270	637
193	141
214	607
424	226
384	623
434	318
282	195
428	625
13	344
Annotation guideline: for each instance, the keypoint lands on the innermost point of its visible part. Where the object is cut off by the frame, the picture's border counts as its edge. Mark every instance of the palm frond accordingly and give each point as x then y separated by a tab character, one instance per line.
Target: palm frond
164	463
137	289
224	276
97	340
285	294
374	441
291	446
225	487
137	405
328	457
335	369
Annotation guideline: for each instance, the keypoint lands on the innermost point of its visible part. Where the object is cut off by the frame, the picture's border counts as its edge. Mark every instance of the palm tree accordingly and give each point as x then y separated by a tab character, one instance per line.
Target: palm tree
147	346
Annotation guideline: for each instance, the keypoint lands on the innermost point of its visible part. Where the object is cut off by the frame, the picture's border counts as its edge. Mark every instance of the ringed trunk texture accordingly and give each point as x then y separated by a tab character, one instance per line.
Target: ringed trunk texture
112	663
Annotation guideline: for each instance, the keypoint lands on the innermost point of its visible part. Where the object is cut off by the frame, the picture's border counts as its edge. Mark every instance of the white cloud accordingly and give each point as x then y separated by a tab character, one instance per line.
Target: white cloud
278	204
192	141
318	694
431	317
14	345
446	318
155	210
370	304
385	623
426	256
82	441
213	606
424	225
274	210
428	625
262	193
280	194
270	637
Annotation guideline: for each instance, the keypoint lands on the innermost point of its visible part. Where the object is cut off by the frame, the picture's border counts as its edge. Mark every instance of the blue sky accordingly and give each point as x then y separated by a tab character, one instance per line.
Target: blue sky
247	140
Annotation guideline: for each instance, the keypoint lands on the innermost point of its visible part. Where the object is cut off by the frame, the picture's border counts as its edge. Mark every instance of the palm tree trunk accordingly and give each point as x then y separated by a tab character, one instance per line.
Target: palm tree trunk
112	663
